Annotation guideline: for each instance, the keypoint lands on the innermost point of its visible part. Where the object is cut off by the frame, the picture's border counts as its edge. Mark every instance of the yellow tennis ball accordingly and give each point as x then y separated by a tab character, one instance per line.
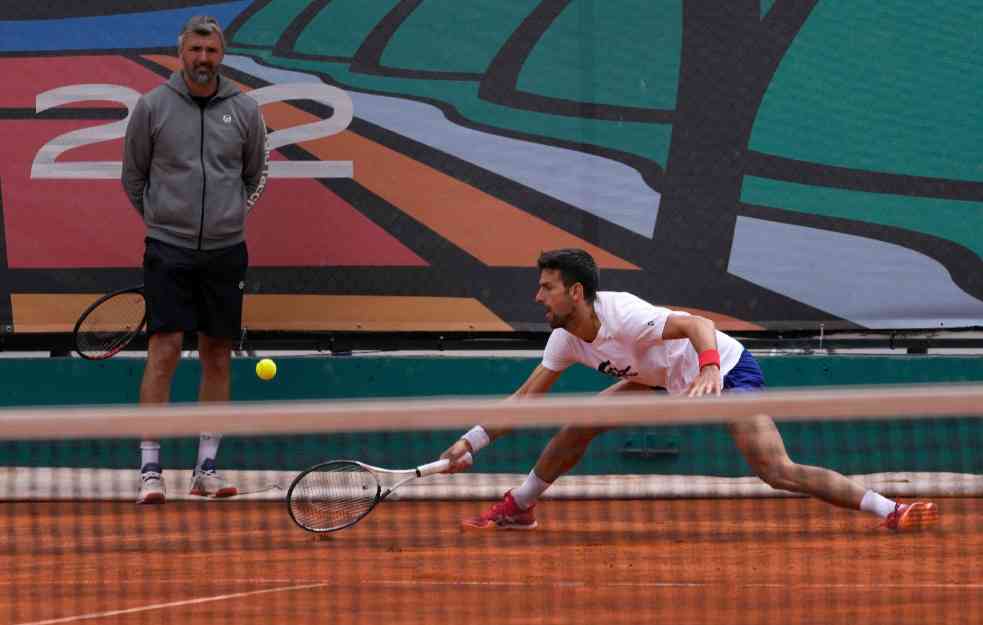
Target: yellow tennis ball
266	369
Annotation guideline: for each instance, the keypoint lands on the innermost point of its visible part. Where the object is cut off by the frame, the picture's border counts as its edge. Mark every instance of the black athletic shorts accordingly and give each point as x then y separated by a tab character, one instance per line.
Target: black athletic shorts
194	290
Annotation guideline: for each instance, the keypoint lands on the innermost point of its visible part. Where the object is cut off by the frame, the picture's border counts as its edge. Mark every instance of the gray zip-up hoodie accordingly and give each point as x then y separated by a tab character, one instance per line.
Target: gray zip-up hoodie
193	174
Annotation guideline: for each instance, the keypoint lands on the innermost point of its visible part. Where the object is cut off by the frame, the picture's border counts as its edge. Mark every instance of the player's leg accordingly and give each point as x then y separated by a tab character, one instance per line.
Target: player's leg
761	444
163	355
564	452
215	355
168	285
567	447
219	295
170	306
561	454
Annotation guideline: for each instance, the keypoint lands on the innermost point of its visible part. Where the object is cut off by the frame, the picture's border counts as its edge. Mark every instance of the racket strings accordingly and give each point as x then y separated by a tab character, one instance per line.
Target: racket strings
334	496
111	324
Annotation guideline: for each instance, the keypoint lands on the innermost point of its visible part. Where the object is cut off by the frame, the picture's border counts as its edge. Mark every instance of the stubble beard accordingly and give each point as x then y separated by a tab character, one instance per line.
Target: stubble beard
202	75
558	321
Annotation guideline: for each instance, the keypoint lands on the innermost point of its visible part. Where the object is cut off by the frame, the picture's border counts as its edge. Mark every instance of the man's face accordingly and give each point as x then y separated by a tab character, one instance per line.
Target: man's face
201	55
555	297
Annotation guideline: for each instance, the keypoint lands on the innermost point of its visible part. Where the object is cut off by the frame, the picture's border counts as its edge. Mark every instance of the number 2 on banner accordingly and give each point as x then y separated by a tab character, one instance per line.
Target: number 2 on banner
45	165
344	110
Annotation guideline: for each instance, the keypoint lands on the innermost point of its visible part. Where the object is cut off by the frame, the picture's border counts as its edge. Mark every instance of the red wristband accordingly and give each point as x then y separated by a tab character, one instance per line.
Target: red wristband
709	357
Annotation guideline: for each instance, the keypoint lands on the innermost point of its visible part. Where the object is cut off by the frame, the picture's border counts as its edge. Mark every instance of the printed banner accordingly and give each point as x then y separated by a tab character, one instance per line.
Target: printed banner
773	165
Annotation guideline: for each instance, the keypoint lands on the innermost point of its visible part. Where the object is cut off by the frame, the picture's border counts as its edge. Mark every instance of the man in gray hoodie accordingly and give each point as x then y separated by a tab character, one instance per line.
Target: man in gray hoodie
195	162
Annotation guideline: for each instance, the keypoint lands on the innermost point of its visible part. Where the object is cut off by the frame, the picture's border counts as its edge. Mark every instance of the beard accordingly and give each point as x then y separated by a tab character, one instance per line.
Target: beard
557	321
202	74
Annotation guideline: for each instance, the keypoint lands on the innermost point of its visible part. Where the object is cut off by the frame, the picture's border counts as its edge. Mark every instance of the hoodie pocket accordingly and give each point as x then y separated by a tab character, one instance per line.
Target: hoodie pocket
225	215
170	207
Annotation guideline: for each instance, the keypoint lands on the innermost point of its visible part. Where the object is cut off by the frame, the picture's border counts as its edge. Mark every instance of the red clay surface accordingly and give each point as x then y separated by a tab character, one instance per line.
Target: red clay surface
782	561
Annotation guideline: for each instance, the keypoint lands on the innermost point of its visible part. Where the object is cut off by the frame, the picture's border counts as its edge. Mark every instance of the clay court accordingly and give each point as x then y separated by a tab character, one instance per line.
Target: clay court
782	561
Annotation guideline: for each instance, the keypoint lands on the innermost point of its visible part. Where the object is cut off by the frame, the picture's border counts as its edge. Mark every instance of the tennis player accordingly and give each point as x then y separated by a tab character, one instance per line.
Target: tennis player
648	347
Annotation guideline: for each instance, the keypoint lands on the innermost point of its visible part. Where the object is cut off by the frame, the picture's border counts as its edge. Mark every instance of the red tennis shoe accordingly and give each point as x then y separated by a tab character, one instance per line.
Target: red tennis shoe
912	516
505	515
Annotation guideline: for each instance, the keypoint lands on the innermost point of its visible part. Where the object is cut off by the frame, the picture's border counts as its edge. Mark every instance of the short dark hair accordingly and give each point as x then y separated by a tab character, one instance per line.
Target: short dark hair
574	265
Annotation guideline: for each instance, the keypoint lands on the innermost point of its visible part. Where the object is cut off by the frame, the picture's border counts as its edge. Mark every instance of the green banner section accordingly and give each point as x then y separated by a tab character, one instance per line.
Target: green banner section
862	447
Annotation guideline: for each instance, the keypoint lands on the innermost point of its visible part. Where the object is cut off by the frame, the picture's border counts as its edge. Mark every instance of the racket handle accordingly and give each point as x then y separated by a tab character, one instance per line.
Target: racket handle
438	466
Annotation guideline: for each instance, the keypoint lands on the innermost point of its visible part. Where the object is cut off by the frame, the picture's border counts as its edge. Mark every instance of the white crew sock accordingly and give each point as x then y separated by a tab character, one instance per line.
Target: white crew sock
530	490
876	503
149	453
207	447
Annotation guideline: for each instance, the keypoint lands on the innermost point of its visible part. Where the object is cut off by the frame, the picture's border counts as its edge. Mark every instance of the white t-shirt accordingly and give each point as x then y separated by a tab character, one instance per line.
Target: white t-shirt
629	345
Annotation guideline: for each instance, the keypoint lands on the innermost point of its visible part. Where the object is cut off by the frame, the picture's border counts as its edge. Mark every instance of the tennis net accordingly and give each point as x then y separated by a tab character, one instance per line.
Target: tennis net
662	520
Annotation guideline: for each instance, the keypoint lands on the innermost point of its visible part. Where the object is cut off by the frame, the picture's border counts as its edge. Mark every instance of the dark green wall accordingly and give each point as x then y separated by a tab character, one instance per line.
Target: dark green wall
853	448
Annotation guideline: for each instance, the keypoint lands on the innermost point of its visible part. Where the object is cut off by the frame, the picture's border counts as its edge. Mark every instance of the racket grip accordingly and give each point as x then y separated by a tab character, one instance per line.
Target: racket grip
438	466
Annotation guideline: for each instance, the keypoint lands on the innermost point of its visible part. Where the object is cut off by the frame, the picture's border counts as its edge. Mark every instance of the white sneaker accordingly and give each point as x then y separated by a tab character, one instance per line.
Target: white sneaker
152	488
205	482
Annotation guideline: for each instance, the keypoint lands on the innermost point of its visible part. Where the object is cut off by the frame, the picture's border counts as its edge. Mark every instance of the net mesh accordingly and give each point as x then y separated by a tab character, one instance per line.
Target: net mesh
662	521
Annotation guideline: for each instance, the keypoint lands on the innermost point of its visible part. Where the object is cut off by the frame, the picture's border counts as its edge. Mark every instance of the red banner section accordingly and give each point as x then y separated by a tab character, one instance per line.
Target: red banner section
82	219
26	77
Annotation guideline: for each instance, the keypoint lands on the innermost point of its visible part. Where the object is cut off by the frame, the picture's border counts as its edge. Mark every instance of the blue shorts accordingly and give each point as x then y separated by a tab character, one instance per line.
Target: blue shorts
745	376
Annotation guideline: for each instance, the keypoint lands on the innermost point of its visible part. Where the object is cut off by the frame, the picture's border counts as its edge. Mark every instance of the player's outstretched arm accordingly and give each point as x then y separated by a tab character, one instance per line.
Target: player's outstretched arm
478	437
702	333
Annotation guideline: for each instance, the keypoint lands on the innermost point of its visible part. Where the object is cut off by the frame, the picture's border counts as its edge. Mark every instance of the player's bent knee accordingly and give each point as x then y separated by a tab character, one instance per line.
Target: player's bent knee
778	474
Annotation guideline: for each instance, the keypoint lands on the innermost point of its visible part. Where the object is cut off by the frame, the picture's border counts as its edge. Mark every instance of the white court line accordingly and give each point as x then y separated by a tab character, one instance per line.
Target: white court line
172	604
492	584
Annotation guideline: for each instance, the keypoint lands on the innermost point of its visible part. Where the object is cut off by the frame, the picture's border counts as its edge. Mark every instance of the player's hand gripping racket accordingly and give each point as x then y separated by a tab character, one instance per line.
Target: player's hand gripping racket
110	323
334	495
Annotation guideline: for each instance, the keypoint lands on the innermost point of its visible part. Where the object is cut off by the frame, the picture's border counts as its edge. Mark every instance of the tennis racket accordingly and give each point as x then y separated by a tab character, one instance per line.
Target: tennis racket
337	494
110	323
